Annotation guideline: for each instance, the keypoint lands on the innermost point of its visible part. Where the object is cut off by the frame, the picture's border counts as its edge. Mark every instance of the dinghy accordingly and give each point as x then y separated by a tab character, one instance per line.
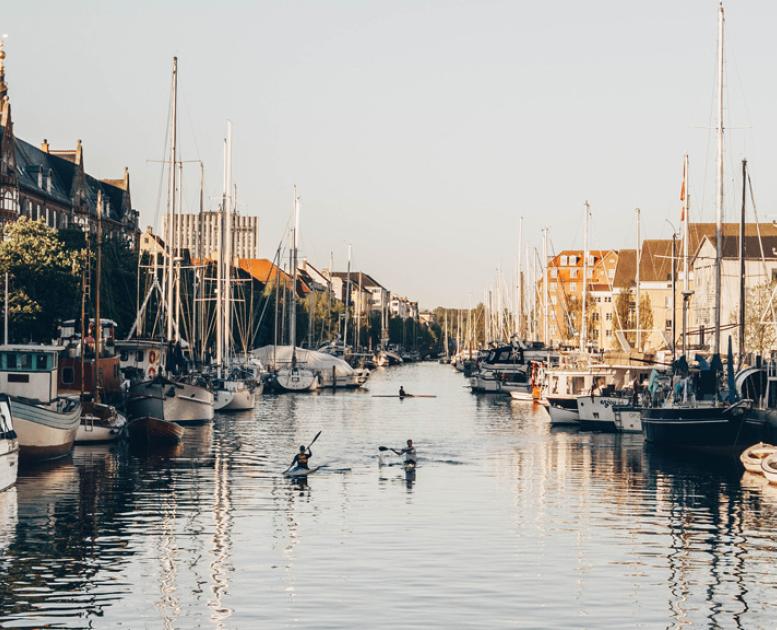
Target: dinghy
753	456
769	468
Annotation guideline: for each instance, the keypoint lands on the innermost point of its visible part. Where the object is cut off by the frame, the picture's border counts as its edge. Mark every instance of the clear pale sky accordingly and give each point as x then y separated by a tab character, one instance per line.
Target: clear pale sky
417	131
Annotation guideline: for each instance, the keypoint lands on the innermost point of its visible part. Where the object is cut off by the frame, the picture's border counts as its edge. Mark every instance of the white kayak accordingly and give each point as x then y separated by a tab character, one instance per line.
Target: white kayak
300	472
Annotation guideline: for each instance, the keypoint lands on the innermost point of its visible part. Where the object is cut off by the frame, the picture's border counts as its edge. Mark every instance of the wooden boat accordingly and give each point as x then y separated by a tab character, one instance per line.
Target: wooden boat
154	431
171	400
99	423
752	456
769	468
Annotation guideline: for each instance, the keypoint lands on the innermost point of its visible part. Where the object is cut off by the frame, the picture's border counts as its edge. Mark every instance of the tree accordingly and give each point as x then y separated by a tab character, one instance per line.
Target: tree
44	279
626	316
760	333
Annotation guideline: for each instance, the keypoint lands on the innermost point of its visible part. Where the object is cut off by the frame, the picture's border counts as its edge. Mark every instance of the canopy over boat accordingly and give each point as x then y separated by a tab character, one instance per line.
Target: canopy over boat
280	356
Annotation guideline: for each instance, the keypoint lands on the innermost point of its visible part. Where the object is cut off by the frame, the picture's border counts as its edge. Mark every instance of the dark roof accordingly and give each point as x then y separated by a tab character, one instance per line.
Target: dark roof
625	269
655	263
30	160
752	246
358	278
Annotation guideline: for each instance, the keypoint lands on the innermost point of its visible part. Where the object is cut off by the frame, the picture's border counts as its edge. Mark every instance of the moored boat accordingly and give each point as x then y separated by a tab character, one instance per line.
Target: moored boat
46	423
154	431
99	423
753	456
170	400
769	468
9	445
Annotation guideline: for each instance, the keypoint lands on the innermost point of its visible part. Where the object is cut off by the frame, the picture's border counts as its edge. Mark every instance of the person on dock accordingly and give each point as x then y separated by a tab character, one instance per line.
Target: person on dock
402	393
301	459
408	452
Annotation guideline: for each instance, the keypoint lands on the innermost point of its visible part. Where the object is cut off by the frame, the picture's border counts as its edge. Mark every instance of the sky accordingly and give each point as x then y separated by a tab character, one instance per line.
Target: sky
417	131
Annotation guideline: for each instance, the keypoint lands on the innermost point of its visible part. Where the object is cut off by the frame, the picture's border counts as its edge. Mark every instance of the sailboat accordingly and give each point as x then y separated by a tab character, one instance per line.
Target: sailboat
707	422
295	377
237	385
155	395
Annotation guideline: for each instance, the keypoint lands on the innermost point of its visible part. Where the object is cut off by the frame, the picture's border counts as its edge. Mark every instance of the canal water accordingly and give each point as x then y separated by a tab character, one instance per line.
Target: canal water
506	524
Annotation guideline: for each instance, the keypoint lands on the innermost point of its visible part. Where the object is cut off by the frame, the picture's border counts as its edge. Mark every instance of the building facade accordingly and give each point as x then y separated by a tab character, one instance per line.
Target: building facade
52	186
200	233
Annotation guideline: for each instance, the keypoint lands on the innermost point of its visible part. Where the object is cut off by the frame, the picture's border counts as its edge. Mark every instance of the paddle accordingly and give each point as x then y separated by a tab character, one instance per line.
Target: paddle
405	396
309	445
386	448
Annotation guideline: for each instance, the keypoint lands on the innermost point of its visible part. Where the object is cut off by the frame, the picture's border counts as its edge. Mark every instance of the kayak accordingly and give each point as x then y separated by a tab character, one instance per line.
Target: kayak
300	472
409	466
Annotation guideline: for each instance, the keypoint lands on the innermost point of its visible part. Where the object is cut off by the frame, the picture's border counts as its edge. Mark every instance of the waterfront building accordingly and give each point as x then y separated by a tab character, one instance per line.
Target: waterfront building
200	233
403	307
52	186
367	295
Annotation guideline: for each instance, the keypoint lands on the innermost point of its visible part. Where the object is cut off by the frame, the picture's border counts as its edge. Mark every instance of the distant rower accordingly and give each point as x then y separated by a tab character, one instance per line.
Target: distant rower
402	393
301	458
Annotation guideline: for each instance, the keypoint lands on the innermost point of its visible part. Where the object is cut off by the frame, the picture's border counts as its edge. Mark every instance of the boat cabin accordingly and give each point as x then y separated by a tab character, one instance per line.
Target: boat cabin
29	371
141	358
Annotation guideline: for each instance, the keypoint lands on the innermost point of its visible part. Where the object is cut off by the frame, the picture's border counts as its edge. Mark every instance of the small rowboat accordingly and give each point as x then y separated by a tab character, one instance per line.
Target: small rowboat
753	456
769	467
297	471
154	431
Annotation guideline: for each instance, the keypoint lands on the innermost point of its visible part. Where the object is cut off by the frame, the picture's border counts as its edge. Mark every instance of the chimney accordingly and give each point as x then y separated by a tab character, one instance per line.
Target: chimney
44	146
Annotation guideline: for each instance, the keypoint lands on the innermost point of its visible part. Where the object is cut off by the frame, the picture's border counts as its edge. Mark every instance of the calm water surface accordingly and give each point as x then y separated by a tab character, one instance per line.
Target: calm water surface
506	525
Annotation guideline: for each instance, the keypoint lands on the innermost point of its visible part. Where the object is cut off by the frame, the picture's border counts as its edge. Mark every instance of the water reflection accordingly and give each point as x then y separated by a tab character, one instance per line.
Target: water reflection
503	515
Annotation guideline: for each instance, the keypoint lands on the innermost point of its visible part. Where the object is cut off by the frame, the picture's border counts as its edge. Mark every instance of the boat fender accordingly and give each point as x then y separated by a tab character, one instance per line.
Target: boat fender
152	356
151	372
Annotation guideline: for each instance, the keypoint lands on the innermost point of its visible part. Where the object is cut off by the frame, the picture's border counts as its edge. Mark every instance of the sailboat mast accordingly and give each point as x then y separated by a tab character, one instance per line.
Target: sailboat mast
98	329
519	286
638	337
347	302
220	269
741	337
686	239
170	236
546	279
719	223
293	314
227	260
584	314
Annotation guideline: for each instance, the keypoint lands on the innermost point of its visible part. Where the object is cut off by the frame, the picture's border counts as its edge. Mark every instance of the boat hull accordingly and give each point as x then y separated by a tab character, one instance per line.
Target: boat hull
154	432
178	402
9	463
597	413
296	380
628	419
243	397
700	427
563	412
45	433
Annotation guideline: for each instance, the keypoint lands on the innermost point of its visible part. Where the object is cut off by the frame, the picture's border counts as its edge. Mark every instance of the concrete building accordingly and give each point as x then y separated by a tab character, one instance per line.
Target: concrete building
367	295
200	233
52	186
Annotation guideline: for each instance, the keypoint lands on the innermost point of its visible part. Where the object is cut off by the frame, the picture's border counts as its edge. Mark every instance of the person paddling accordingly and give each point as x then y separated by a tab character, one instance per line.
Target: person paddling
301	459
408	452
402	393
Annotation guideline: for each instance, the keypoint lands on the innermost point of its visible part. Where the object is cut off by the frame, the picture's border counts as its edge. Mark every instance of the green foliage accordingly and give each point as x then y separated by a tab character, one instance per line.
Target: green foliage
44	279
760	334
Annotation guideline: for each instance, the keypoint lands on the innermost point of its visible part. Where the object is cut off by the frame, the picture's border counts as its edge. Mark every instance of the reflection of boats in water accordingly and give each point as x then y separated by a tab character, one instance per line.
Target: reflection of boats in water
9	517
9	446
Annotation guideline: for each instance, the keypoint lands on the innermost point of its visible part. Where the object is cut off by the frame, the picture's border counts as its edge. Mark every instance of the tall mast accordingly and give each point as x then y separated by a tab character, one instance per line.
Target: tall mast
741	339
638	338
98	329
229	209
170	236
178	249
686	220
220	268
546	279
584	315
519	312
293	313
347	302
719	224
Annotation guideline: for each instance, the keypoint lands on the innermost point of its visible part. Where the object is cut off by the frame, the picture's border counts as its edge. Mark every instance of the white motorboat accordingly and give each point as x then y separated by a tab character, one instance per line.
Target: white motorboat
597	412
753	456
9	445
562	411
243	394
522	395
46	423
221	398
99	423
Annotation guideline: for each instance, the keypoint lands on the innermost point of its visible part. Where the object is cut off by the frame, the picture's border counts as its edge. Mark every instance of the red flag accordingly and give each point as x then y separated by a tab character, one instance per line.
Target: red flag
682	194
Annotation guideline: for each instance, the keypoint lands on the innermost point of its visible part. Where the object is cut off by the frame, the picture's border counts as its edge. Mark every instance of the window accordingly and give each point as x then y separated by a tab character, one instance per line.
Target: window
123	355
608	333
18	378
10	360
40	361
573	260
611	273
572	287
564	261
608	317
139	356
573	273
554	273
68	376
668	325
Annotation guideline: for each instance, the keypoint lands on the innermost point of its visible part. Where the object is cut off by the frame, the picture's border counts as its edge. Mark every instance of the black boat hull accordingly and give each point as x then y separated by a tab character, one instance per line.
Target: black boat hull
700	427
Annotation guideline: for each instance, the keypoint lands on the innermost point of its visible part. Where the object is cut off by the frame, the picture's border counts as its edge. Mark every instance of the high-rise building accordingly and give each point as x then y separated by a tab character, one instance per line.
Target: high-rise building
199	233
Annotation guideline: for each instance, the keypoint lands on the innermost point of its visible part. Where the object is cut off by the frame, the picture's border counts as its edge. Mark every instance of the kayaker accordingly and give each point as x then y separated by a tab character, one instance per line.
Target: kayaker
408	452
402	393
301	459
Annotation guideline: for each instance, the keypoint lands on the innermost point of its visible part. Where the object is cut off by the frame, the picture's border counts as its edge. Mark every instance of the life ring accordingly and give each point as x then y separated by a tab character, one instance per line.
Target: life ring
151	356
151	372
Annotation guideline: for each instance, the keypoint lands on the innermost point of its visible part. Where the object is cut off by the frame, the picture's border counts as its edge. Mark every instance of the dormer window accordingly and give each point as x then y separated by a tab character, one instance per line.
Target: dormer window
40	178
48	182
